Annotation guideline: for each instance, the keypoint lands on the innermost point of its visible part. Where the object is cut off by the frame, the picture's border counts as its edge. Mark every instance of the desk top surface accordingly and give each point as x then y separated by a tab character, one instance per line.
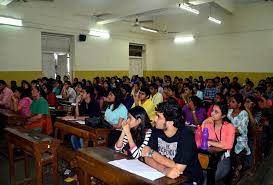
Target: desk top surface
73	122
10	113
30	135
104	155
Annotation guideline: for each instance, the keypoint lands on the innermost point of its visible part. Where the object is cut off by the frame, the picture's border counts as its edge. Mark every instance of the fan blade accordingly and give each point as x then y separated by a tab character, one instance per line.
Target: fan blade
146	21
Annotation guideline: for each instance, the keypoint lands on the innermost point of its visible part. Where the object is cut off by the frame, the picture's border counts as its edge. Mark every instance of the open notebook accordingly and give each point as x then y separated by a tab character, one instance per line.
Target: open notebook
137	167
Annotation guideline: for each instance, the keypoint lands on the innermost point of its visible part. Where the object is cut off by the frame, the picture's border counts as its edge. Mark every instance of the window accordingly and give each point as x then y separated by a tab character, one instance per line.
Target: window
135	50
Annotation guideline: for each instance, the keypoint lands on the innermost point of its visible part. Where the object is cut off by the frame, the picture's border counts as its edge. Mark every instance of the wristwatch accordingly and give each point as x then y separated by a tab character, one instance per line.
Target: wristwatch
150	153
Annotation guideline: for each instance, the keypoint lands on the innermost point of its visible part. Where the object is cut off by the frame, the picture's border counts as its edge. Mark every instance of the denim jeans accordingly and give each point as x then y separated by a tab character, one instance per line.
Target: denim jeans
223	169
76	142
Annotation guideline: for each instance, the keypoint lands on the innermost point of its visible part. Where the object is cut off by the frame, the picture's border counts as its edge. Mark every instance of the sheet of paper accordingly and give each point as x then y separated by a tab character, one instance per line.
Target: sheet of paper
137	167
59	96
81	122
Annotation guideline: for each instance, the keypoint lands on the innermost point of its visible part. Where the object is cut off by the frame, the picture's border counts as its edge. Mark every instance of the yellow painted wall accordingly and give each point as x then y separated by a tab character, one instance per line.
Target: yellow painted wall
255	77
20	75
89	75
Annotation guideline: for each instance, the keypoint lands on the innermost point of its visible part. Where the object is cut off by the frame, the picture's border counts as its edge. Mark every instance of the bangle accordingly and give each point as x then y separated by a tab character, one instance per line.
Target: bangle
193	111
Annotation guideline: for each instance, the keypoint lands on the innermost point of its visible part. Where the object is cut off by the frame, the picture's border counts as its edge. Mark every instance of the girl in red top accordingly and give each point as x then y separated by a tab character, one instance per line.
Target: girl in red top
221	135
50	96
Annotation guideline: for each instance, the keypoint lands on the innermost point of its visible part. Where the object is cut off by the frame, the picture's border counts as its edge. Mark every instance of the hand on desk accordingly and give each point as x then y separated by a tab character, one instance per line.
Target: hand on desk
172	172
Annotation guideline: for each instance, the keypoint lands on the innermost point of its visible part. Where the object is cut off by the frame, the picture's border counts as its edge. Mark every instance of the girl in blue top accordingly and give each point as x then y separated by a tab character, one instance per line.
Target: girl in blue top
116	112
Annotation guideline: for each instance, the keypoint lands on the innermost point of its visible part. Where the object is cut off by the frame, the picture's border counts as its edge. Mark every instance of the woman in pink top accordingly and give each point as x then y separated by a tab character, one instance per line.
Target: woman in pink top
221	135
21	102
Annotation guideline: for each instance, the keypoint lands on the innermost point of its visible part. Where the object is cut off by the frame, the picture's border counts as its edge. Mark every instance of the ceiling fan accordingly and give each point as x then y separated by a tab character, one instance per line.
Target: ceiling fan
7	2
138	23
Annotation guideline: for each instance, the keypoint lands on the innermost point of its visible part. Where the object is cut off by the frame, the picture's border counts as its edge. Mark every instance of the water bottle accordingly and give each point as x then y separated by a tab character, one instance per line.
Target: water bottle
198	136
205	137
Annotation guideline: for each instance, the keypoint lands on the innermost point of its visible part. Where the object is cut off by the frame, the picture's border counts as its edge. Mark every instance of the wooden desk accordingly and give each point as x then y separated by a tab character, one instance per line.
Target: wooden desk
10	118
214	155
93	162
99	136
42	147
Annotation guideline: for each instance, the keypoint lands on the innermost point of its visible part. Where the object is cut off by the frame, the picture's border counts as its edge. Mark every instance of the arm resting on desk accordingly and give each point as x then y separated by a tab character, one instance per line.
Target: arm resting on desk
172	172
35	118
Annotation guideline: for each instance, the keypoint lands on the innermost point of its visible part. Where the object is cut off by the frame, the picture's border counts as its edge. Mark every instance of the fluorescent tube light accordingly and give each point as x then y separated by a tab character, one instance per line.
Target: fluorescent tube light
148	29
10	21
188	8
214	20
99	33
185	39
5	2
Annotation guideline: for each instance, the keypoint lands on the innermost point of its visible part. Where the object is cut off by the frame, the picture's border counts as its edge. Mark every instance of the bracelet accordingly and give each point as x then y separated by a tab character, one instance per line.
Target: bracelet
193	111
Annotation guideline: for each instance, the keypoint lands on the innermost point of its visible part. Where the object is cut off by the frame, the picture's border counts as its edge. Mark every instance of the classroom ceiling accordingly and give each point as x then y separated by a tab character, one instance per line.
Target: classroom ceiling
119	16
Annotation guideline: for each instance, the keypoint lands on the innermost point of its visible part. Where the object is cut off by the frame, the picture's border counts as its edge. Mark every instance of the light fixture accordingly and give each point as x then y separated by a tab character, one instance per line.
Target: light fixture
99	33
148	29
212	19
217	21
186	7
10	21
5	2
185	39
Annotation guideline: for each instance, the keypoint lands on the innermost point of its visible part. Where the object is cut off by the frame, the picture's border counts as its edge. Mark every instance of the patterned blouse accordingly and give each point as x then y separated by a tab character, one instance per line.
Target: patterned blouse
241	123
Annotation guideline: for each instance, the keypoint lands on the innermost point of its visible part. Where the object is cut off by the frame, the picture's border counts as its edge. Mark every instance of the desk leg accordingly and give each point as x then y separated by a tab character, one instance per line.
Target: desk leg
87	180
11	164
80	175
55	168
39	168
26	161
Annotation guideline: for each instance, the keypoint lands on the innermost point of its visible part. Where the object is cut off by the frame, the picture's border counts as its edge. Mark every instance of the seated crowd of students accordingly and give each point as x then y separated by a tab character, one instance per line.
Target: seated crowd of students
155	119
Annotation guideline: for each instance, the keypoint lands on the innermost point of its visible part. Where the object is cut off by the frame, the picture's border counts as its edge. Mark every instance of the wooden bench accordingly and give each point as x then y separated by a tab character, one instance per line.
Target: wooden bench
61	129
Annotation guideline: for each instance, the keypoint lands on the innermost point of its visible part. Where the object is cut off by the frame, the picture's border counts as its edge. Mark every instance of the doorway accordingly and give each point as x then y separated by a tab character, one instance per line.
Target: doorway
136	59
56	55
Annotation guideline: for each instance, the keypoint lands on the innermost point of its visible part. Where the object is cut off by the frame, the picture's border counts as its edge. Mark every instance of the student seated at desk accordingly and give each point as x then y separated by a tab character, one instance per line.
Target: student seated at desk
221	135
50	96
86	106
143	100
171	148
68	93
136	132
115	114
40	119
5	95
20	102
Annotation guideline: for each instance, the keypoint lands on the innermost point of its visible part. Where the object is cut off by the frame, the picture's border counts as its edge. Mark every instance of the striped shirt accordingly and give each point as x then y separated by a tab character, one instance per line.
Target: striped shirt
135	151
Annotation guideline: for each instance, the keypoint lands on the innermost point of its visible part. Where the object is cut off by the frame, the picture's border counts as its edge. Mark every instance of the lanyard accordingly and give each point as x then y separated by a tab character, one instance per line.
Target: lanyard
220	133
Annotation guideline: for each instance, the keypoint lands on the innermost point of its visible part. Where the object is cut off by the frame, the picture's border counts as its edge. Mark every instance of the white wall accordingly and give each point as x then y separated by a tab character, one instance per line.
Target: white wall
244	52
246	47
106	55
20	49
